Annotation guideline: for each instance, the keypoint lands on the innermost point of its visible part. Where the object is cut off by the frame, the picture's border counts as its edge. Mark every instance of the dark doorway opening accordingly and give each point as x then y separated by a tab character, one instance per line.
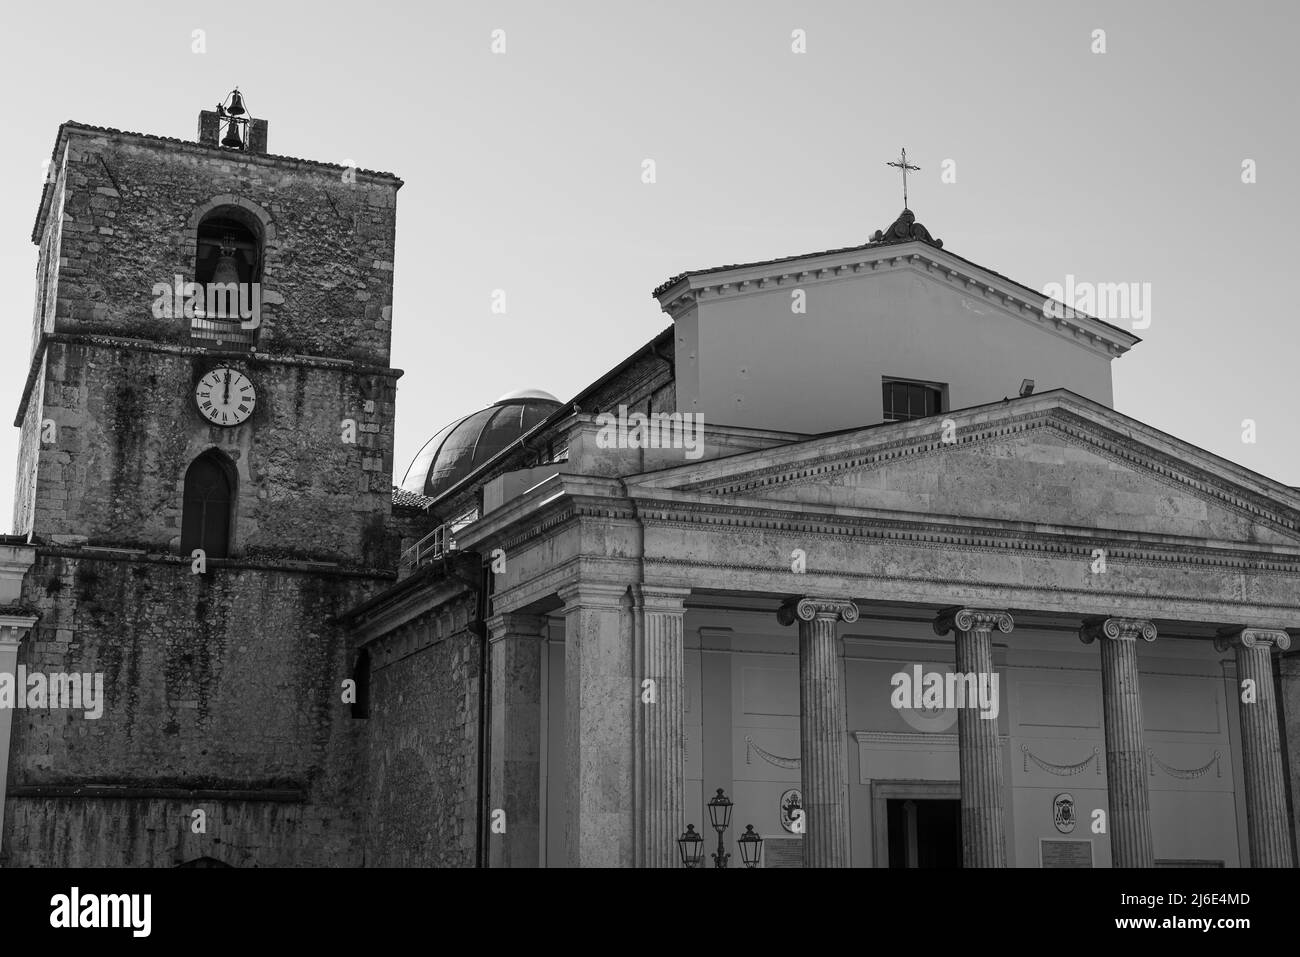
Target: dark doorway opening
924	832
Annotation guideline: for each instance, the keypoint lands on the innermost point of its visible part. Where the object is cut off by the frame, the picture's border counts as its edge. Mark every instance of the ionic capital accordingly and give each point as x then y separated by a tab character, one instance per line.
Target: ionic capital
825	609
958	618
1117	629
1252	638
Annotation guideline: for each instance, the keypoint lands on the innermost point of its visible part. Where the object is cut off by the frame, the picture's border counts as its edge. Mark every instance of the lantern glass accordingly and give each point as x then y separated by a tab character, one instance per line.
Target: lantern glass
691	846
720	811
751	846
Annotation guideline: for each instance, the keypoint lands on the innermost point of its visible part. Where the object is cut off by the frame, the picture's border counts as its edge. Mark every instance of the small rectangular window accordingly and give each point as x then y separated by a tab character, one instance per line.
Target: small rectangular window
905	399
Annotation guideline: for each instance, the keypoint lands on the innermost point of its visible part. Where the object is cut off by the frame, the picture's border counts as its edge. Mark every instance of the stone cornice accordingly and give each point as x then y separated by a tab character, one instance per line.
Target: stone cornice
399	641
972	619
103	553
515	625
1163	467
908	740
563	499
1117	629
660	599
14	628
1027	595
976	535
103	792
1266	638
118	343
963	276
592	594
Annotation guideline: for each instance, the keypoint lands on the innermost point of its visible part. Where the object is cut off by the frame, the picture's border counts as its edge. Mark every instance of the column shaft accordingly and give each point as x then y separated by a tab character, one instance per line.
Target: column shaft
1126	768
661	759
601	691
1266	812
983	840
824	774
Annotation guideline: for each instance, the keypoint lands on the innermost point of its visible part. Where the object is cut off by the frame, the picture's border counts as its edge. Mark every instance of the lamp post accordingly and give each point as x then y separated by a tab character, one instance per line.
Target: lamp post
751	846
691	846
720	818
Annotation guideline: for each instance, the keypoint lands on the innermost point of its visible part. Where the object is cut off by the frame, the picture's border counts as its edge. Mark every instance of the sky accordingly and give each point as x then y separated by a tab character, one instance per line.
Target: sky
523	169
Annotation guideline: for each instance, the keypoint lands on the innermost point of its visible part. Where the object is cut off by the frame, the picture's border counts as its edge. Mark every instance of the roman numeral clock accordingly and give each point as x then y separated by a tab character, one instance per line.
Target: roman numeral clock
225	396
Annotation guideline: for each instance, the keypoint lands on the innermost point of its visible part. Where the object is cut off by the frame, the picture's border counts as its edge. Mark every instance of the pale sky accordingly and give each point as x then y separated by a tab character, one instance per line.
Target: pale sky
523	169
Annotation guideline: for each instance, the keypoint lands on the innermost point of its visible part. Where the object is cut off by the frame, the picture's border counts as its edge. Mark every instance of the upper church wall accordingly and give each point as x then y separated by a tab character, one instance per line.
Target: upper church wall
751	360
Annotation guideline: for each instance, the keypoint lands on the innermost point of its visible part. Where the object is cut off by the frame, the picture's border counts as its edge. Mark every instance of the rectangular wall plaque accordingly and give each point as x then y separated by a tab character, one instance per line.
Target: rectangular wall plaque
1065	853
782	851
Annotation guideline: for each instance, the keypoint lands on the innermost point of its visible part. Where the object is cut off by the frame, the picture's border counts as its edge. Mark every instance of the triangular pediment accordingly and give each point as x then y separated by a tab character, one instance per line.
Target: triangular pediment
927	272
1054	460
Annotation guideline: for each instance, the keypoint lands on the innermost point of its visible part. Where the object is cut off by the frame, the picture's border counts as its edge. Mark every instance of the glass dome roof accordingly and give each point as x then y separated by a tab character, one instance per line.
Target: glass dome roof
459	448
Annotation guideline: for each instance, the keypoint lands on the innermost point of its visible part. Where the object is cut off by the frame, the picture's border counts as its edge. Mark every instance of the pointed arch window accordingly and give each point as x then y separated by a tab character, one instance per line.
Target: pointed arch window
209	497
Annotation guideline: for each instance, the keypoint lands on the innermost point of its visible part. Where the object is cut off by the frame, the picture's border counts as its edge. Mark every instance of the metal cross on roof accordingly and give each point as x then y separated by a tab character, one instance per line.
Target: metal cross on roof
902	165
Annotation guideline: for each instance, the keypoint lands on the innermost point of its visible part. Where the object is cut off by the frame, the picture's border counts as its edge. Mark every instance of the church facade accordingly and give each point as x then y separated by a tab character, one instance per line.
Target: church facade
858	541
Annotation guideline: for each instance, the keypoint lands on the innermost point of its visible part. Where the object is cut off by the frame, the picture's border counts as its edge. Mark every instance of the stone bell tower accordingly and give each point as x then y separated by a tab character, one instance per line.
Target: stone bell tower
204	482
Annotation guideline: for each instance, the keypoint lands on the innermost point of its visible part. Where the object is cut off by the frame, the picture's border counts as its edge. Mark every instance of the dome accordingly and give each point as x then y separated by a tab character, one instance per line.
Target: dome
464	445
524	395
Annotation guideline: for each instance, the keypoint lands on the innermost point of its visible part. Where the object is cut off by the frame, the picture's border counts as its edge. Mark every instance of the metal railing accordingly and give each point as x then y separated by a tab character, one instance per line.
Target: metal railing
433	546
226	332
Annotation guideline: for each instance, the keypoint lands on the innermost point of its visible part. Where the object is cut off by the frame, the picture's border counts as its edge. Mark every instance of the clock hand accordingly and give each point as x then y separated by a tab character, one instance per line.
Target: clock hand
226	397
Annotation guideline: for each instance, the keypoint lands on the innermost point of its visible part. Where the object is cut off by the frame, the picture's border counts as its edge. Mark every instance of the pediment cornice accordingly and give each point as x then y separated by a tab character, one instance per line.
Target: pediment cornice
1166	467
940	265
946	532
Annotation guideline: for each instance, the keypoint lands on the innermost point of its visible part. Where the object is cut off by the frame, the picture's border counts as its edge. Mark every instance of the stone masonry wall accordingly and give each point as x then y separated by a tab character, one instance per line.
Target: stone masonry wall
126	430
127	203
422	743
225	681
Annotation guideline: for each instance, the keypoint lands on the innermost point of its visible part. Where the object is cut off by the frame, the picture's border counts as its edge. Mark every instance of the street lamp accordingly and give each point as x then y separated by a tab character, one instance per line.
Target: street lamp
720	818
691	847
751	846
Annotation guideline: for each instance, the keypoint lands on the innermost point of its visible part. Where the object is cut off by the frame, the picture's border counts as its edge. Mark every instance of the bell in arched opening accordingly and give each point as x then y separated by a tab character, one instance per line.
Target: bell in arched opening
224	304
227	268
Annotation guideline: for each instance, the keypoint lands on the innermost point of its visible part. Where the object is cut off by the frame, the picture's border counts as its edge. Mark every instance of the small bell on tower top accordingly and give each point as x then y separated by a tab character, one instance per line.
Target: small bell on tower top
233	113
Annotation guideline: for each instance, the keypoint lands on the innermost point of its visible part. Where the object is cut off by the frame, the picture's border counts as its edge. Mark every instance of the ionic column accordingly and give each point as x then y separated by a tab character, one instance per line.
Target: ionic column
1126	770
515	645
1266	814
823	772
662	690
983	843
13	628
600	690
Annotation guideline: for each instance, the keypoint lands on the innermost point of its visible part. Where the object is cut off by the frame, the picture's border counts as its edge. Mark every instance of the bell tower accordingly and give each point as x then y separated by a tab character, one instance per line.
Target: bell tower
205	476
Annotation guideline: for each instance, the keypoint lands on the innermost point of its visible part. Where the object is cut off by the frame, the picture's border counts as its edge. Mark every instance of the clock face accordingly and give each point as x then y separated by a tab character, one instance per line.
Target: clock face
225	396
